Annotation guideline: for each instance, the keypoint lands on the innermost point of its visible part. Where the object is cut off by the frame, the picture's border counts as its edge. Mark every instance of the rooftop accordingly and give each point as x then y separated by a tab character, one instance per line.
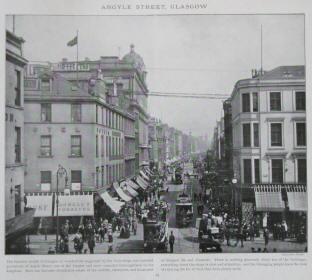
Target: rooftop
284	72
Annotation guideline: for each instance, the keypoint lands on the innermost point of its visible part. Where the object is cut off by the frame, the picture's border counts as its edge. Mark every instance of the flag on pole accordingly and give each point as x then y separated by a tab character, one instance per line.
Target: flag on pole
73	42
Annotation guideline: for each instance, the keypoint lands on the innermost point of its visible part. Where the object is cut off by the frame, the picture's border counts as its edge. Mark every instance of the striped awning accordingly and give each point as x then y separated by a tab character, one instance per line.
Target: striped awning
126	187
149	172
269	198
133	185
144	175
121	193
112	203
141	182
297	198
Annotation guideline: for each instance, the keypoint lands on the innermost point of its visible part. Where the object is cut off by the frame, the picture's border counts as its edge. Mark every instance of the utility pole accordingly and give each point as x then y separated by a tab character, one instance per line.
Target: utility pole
261	69
13	24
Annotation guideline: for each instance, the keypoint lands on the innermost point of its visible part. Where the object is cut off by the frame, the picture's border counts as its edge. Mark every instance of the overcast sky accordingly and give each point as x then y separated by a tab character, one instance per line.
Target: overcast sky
195	54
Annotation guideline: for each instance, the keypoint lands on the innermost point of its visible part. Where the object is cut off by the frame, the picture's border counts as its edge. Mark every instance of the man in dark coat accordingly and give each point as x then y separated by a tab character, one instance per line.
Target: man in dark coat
266	236
171	241
91	244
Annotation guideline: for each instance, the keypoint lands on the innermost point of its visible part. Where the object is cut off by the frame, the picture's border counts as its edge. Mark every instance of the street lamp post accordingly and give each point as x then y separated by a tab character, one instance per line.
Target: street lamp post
234	204
60	172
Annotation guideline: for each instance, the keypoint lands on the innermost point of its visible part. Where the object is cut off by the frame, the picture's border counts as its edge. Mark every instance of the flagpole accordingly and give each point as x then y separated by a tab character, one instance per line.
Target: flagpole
77	61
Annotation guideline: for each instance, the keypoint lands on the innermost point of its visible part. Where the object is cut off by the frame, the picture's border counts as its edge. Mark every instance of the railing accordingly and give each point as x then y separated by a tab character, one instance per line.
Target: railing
116	157
70	66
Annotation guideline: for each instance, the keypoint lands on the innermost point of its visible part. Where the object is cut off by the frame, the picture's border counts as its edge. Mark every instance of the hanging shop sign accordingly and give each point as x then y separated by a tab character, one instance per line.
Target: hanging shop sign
42	204
75	205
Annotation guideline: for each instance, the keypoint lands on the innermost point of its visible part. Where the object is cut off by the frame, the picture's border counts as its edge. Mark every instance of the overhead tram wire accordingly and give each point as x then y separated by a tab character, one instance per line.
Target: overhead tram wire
188	93
189	96
195	69
177	94
185	95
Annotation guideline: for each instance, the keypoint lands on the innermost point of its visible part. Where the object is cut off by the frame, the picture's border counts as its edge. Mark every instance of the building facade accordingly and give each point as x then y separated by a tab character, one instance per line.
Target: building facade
14	127
75	127
269	127
228	139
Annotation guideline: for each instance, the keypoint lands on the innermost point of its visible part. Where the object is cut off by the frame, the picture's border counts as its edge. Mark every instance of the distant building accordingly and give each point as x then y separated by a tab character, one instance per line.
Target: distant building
186	144
228	138
153	142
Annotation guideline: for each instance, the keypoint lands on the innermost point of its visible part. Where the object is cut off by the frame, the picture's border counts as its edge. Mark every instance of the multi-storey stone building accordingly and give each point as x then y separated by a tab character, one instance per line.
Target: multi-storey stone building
269	137
77	127
266	110
18	221
14	127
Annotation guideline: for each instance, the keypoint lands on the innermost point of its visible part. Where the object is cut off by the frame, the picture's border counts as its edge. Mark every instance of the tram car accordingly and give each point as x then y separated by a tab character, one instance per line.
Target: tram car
184	210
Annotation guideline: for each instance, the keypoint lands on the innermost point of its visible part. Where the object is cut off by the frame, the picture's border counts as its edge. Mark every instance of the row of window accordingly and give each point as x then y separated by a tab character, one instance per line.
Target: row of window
114	146
46	179
251	138
130	147
277	171
129	127
250	101
113	173
108	118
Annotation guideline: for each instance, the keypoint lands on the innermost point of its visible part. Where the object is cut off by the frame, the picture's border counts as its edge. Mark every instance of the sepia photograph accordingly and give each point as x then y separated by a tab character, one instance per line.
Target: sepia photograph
166	134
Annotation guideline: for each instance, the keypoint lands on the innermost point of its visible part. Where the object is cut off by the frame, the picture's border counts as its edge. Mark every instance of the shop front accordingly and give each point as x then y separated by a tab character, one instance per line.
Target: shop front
72	207
269	204
296	216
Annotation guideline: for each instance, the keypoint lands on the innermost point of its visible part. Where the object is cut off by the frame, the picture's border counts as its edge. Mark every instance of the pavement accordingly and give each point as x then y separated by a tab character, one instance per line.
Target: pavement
185	238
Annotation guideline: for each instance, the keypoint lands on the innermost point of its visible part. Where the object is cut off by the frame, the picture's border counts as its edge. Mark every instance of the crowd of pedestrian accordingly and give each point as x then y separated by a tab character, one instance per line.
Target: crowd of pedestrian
229	224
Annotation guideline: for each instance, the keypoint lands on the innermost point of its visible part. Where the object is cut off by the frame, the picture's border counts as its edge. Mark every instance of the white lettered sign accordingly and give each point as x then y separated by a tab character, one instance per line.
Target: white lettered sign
75	205
42	204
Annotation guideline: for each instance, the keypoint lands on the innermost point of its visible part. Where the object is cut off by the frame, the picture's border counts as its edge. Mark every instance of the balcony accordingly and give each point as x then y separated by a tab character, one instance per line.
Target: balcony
116	157
129	156
130	135
70	66
145	146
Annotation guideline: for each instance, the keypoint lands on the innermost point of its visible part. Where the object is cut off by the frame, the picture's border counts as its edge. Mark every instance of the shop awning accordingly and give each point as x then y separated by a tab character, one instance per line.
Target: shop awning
133	185
121	193
75	205
144	181
142	173
113	204
141	182
269	198
297	198
19	224
125	186
149	172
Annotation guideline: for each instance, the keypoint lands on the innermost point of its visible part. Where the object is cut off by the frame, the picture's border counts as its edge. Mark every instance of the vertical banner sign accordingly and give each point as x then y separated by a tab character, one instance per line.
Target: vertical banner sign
75	205
265	219
42	204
